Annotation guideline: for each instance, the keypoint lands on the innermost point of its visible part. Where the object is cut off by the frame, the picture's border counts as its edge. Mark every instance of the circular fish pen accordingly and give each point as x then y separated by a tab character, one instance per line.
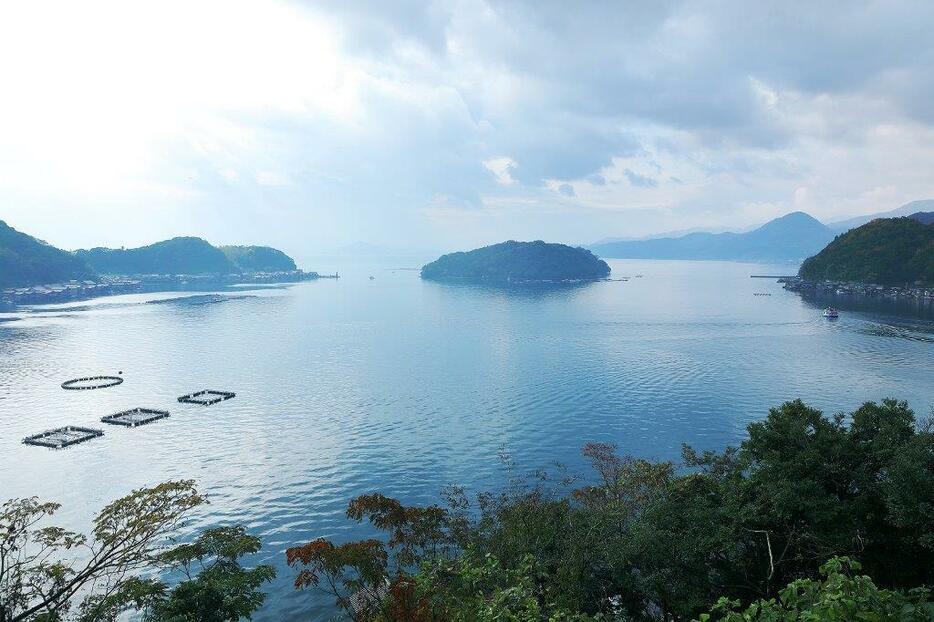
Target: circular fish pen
90	383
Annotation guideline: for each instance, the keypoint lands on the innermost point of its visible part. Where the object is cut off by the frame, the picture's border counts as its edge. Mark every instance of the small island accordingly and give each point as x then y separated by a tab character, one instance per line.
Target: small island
518	263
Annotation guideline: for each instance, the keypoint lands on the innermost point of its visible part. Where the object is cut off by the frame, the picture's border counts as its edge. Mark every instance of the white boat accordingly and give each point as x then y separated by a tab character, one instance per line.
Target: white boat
830	312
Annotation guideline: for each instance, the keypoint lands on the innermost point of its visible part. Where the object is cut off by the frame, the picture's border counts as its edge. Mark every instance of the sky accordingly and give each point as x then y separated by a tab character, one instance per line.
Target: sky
311	125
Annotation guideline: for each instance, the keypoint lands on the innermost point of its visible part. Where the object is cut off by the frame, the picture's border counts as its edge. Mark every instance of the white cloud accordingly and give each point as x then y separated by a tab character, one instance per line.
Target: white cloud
387	120
502	170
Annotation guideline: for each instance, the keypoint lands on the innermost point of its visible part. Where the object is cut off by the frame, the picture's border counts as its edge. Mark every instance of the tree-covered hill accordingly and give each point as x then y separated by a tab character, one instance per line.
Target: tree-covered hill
887	251
259	258
24	260
187	255
516	262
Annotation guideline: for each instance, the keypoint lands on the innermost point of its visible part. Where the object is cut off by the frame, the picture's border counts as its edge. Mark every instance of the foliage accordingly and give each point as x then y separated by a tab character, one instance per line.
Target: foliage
516	262
221	589
649	540
885	251
361	574
841	595
51	574
184	255
258	259
475	588
24	261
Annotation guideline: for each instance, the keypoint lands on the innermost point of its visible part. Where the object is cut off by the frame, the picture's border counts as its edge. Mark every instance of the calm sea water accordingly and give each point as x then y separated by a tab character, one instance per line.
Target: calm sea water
402	386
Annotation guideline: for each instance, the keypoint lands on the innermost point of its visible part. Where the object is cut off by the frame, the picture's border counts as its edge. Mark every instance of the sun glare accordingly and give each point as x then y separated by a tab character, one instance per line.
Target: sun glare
91	97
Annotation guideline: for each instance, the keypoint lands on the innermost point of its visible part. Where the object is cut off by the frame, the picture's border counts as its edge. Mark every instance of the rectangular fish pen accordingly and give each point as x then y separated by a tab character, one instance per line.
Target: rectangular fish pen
135	416
63	437
206	397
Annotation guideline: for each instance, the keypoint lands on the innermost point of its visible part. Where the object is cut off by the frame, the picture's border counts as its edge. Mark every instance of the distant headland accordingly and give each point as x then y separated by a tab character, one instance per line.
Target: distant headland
35	272
518	263
891	258
885	251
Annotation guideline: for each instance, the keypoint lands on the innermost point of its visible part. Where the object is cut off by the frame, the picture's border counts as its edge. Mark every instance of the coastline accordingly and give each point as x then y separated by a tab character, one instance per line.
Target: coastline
918	293
76	291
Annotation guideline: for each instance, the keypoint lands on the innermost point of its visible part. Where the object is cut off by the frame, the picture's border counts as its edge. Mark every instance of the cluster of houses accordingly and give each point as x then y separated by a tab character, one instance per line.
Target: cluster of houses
70	290
112	285
919	293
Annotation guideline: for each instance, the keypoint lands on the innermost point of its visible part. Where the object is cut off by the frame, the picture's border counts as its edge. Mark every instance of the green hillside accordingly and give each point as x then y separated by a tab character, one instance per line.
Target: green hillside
259	259
887	251
24	260
187	255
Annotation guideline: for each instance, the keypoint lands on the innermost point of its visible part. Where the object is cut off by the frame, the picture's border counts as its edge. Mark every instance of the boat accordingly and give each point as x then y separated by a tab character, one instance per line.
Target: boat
831	313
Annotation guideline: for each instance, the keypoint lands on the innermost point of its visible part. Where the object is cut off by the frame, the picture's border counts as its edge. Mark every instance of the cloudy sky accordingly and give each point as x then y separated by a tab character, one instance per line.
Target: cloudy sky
440	125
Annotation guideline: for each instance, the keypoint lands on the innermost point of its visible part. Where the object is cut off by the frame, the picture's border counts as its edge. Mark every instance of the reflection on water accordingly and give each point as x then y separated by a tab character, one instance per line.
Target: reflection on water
402	386
903	307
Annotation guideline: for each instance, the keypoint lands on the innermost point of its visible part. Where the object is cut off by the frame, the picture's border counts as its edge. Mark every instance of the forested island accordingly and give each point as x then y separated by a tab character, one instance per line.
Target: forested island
886	251
810	518
518	262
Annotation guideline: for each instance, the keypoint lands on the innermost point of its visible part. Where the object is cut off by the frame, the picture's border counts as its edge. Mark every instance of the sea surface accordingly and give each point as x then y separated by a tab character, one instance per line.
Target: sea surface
401	386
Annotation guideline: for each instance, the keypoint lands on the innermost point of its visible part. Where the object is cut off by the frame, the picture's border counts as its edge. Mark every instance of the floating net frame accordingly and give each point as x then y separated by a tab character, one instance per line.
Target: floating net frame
65	436
206	397
135	417
100	382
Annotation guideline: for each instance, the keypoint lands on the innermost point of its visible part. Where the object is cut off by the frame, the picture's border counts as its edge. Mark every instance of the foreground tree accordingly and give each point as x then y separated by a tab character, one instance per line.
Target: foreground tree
841	595
371	578
48	573
39	574
216	587
652	541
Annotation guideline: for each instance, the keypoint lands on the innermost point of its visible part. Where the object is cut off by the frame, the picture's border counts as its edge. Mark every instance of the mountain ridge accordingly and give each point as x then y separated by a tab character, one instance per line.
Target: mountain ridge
259	258
912	207
26	260
180	255
795	235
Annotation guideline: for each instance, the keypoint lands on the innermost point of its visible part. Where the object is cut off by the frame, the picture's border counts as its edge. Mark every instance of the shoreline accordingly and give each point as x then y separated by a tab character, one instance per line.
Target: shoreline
917	293
77	291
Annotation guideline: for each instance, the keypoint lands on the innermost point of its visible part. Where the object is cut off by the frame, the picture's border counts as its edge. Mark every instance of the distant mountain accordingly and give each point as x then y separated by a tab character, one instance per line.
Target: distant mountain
24	261
176	256
517	262
259	259
925	218
793	236
886	251
667	234
907	209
